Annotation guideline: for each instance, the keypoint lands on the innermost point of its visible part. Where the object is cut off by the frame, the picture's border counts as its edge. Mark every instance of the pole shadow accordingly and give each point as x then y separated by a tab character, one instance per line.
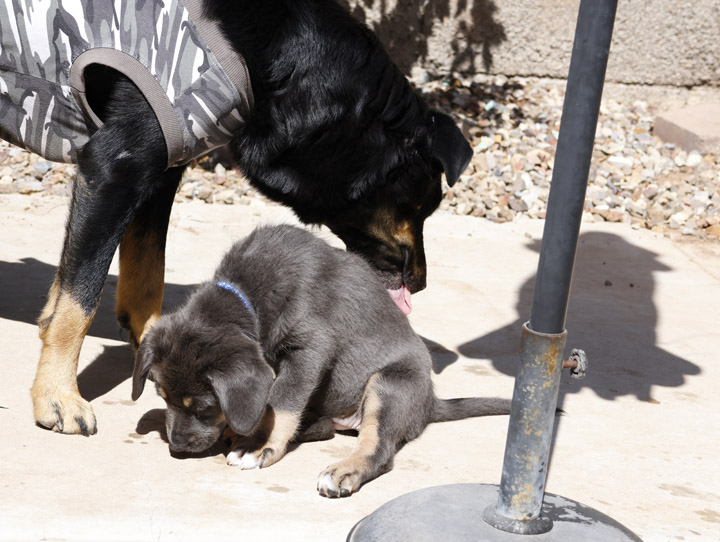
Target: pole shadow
611	315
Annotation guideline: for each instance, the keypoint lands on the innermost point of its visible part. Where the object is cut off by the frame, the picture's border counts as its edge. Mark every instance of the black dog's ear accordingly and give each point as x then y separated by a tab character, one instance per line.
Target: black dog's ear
243	392
449	147
143	361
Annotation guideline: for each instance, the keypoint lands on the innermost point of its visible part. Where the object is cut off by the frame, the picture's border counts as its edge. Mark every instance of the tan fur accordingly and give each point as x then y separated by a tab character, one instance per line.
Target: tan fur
386	227
56	400
285	426
49	308
351	472
187	401
140	284
281	426
403	233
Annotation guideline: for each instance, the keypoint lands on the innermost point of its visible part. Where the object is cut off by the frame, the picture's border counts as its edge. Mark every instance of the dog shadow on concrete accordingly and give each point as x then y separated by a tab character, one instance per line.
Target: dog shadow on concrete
153	421
23	292
611	315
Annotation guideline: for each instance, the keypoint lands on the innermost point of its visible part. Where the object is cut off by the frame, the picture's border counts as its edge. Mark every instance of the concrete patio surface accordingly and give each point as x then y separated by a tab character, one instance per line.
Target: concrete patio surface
639	440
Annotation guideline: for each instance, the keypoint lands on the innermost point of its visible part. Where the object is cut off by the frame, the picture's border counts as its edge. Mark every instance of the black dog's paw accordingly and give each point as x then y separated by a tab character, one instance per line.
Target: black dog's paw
64	412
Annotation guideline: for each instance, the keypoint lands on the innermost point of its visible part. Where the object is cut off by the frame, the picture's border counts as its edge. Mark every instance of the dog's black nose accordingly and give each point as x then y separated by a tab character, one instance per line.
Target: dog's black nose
178	442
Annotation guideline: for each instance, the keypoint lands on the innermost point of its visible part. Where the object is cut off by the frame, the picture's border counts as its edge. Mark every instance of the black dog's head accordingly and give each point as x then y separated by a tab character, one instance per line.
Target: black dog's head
386	226
375	192
209	376
339	135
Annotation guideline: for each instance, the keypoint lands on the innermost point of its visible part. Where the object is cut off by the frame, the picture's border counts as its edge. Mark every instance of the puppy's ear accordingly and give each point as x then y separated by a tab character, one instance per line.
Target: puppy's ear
449	147
143	361
243	391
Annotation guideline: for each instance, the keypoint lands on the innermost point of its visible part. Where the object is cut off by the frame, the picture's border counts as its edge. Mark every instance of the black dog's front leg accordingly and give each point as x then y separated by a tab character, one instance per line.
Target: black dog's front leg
118	169
297	378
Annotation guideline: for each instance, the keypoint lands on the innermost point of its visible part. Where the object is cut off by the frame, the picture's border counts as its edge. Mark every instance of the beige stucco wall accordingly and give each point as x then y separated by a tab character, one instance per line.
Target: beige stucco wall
669	42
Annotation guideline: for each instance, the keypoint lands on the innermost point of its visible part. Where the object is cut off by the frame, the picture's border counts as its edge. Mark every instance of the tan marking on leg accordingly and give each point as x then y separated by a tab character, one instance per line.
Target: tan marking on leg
187	402
49	308
345	477
56	400
140	284
279	428
285	425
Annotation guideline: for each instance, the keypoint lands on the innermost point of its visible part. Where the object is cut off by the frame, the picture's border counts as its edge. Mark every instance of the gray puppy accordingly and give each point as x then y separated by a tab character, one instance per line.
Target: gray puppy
292	340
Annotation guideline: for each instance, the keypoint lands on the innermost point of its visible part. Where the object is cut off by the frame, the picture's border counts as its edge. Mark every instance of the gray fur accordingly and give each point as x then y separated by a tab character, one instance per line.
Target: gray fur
324	324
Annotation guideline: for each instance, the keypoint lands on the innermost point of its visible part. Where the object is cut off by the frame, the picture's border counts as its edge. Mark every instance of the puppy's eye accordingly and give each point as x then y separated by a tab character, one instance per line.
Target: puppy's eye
205	413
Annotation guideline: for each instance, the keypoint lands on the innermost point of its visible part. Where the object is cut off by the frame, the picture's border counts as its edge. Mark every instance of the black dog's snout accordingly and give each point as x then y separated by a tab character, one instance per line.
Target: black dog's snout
414	280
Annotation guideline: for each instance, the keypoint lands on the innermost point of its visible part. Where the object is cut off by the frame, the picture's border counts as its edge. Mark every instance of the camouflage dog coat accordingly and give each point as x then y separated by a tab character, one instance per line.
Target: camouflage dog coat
196	84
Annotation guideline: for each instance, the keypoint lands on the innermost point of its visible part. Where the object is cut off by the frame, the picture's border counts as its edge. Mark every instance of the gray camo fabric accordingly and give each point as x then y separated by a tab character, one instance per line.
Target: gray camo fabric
41	104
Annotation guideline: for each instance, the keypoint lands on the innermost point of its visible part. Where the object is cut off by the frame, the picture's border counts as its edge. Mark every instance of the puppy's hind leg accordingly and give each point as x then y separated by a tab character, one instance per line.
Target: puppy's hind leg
390	418
317	430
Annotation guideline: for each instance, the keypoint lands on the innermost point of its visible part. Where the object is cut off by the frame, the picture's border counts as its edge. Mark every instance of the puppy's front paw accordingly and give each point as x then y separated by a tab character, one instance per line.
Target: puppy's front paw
235	457
63	411
340	480
254	459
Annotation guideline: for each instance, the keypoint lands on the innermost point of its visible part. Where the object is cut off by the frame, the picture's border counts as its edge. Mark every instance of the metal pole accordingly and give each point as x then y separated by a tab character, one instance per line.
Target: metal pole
529	440
572	164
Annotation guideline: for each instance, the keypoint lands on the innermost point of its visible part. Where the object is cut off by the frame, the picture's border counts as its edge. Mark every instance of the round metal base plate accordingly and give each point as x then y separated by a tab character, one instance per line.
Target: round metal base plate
453	513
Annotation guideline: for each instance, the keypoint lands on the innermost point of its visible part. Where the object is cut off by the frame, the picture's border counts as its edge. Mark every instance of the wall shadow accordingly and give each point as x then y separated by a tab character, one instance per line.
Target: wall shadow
23	292
611	315
405	30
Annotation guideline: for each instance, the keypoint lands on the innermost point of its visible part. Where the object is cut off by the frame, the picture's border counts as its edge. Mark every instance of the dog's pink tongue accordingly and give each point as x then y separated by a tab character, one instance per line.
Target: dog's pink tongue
401	297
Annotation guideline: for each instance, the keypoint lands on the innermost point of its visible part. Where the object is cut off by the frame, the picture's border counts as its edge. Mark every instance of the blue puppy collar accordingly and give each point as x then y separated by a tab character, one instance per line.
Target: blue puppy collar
230	288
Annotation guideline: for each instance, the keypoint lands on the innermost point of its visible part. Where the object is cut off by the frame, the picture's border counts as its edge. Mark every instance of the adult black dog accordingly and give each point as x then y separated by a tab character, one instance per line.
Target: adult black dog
329	127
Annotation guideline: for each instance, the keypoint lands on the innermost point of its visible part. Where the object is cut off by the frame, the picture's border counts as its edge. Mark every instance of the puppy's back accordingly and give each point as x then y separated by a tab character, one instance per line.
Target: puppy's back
291	273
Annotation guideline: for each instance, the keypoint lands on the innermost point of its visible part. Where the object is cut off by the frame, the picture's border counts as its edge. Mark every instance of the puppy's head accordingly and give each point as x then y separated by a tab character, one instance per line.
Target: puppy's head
209	376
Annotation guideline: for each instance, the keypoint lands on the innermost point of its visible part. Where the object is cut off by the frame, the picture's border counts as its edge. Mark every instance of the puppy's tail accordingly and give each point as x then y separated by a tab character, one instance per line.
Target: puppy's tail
447	410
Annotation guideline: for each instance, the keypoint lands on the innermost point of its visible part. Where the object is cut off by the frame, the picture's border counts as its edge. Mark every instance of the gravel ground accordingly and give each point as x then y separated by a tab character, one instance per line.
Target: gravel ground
512	124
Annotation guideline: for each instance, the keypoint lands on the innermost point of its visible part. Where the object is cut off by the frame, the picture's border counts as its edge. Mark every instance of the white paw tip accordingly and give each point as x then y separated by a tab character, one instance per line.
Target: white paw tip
326	484
233	458
249	461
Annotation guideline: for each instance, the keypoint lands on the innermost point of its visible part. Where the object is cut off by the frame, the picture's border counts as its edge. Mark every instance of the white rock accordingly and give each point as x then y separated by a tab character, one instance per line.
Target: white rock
694	159
681	159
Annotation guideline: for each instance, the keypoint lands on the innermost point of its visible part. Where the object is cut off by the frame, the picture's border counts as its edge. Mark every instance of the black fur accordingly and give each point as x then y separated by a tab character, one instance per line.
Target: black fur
322	322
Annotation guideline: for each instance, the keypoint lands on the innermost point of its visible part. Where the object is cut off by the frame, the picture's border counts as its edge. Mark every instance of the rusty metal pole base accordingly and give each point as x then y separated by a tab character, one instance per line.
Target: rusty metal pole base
539	525
453	513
